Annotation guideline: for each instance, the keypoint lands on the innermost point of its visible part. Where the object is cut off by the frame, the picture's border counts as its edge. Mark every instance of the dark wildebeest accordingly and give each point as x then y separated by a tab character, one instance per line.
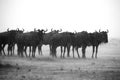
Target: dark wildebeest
31	39
12	46
81	41
63	39
46	39
96	39
7	38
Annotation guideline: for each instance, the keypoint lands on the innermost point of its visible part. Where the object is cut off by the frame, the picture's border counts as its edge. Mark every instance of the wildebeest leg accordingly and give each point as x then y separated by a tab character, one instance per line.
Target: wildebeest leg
83	51
73	50
96	51
13	48
50	46
93	51
61	51
22	50
68	50
0	50
33	51
39	49
77	52
18	49
8	49
30	50
25	51
53	51
64	52
3	49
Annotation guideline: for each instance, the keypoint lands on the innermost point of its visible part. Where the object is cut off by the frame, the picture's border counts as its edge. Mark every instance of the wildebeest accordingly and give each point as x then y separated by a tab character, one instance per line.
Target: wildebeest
85	39
31	39
62	39
96	39
46	40
81	40
7	37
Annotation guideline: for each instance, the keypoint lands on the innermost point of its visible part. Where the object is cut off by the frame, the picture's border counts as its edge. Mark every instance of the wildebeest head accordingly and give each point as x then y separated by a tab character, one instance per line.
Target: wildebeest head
104	36
41	33
19	31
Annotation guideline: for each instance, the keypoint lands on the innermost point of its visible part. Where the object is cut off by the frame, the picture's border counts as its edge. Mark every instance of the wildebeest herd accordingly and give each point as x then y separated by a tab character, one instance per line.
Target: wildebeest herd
54	38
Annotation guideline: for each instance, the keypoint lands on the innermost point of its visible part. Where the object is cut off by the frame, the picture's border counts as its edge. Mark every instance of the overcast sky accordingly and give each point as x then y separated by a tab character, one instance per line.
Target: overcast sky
70	15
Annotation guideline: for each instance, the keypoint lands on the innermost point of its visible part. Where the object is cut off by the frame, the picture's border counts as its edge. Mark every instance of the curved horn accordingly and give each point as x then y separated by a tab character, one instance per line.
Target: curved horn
34	29
17	29
75	31
23	30
8	29
107	30
60	30
51	29
99	30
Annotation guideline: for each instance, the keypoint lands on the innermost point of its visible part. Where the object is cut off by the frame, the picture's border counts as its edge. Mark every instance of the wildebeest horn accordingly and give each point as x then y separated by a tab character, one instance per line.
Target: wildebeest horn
51	29
8	29
17	29
99	30
23	29
60	30
35	29
107	30
75	31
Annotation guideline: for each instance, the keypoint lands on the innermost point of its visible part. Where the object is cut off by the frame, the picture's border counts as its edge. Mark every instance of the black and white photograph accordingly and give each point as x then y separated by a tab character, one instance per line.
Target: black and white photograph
59	39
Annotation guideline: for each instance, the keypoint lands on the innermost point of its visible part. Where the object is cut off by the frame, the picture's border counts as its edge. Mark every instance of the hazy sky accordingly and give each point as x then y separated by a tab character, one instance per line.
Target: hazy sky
69	15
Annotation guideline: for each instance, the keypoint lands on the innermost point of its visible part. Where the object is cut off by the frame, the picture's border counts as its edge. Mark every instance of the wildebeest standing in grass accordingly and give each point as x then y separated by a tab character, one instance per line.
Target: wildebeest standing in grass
96	39
62	39
7	37
29	39
46	39
11	47
81	41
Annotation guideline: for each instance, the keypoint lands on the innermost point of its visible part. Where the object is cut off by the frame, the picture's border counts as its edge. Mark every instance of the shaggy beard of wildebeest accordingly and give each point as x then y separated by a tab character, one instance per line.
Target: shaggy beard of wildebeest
54	39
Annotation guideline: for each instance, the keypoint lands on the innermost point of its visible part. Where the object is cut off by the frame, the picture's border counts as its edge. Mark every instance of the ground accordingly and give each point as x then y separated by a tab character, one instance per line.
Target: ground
47	68
105	67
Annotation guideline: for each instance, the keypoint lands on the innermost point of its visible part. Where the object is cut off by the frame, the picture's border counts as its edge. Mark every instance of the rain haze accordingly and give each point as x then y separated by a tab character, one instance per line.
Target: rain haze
20	55
69	15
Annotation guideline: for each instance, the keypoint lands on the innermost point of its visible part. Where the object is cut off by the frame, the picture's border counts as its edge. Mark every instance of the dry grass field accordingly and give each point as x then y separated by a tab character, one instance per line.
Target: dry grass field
105	67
